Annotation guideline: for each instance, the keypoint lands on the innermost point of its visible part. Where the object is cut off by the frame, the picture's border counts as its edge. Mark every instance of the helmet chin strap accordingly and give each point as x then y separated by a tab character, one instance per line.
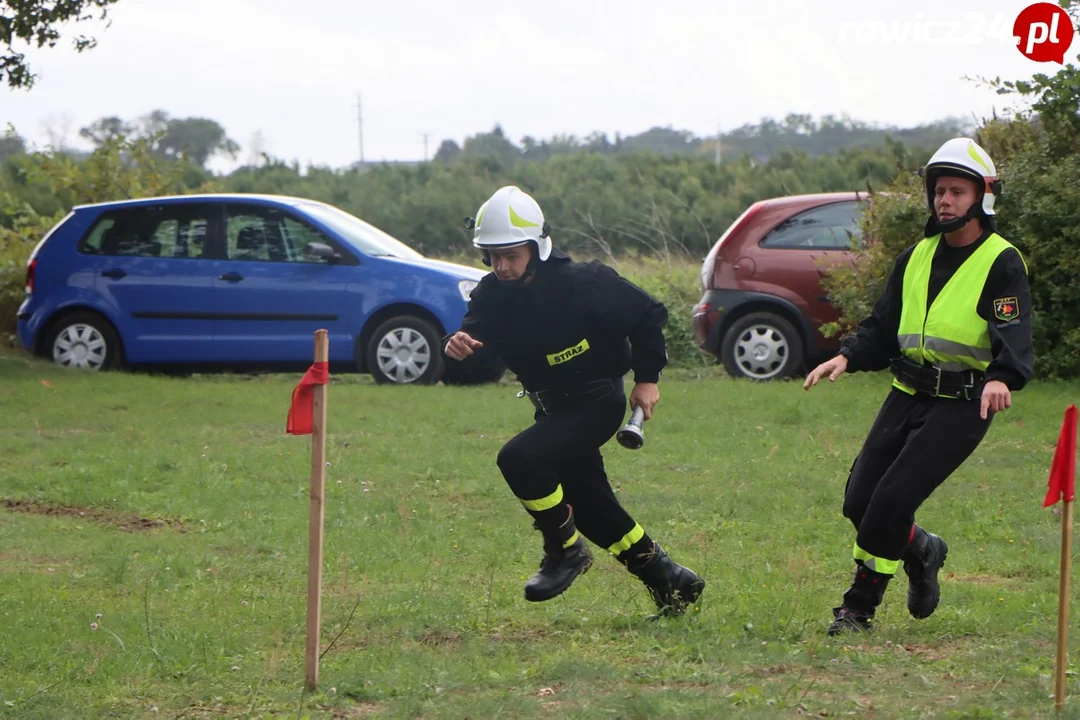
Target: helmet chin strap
949	226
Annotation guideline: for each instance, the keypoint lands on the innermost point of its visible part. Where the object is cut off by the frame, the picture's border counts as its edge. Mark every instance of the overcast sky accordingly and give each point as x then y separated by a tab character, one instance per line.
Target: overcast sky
291	70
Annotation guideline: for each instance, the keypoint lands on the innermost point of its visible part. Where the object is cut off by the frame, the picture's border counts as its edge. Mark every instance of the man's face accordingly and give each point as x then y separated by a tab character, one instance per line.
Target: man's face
953	197
509	263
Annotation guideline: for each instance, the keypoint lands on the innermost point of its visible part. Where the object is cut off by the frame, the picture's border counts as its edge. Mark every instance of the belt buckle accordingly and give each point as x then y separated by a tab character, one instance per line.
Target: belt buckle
937	381
969	385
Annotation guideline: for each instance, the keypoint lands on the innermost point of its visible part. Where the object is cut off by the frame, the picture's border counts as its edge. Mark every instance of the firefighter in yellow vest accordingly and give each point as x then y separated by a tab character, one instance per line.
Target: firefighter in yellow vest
953	326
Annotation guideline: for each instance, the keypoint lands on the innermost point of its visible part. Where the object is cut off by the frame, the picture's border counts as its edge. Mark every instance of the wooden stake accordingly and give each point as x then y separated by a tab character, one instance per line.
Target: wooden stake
1063	605
315	528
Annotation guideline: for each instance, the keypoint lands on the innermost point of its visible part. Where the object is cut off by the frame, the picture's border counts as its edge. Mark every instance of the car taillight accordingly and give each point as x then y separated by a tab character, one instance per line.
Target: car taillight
709	266
31	269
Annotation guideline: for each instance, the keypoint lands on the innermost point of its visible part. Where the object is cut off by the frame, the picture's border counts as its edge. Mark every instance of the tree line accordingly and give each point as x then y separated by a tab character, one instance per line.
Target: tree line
644	194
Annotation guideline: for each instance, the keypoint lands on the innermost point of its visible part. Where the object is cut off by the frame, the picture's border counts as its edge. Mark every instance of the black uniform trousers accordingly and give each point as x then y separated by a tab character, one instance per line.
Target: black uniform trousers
562	449
915	443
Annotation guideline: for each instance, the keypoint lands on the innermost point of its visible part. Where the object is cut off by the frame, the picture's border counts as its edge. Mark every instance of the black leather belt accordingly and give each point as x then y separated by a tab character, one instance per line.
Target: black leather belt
932	380
547	400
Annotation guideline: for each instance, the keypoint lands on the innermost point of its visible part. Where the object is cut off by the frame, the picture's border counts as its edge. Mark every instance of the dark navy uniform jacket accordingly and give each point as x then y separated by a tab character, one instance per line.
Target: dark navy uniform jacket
573	323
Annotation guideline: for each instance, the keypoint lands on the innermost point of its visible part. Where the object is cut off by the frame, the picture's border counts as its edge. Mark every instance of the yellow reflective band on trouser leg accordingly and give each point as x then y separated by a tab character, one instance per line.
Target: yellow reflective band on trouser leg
573	539
627	540
544	503
881	565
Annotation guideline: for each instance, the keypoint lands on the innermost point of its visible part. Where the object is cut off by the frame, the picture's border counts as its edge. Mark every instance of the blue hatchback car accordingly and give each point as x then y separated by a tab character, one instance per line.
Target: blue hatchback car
239	282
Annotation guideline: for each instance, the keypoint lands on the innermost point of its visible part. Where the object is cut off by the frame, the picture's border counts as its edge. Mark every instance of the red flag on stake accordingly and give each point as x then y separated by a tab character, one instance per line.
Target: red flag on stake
1063	486
307	416
1063	469
301	411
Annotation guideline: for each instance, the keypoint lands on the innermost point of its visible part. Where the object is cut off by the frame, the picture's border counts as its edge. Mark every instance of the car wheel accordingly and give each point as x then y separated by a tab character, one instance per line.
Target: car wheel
85	341
405	350
762	346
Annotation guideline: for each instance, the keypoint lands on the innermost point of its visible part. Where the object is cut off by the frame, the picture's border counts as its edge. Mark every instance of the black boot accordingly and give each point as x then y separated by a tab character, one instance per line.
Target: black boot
922	560
860	601
673	587
565	557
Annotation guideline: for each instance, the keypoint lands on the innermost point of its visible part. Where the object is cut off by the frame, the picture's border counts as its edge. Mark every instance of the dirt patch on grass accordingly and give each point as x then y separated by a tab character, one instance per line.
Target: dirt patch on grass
976	579
807	675
932	652
206	712
524	636
361	709
945	650
122	521
435	636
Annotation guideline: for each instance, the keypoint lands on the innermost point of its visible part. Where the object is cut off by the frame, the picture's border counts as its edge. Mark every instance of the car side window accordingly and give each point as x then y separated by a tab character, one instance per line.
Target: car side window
269	235
158	231
836	226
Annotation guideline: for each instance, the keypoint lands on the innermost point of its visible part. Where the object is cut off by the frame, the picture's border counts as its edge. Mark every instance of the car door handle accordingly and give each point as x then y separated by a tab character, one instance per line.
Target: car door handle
115	273
231	277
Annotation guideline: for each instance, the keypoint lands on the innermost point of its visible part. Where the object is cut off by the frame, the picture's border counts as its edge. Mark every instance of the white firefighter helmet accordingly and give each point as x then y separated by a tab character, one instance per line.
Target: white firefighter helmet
510	218
963	157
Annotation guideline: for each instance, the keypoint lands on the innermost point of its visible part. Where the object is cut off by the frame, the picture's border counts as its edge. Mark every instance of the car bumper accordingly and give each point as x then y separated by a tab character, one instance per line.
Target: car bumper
709	314
27	325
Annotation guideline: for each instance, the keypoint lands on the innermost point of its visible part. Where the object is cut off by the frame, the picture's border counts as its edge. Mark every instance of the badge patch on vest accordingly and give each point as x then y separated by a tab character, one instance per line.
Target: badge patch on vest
568	354
1006	309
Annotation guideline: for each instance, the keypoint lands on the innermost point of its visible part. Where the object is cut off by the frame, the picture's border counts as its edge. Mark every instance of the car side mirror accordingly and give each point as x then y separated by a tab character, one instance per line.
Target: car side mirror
321	251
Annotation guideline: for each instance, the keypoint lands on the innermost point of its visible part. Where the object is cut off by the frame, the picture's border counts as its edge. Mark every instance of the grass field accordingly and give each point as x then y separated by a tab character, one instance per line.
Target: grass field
153	547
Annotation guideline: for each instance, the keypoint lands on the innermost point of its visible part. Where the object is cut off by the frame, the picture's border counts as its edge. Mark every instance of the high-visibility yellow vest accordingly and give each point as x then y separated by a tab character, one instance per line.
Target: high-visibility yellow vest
950	333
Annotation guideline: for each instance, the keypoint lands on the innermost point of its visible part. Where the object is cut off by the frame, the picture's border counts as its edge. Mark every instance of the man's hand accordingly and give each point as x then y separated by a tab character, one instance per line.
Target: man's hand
995	397
833	368
645	396
461	345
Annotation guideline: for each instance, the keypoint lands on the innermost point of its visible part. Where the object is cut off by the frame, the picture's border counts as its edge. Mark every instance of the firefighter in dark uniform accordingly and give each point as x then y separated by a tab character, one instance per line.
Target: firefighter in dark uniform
954	328
569	331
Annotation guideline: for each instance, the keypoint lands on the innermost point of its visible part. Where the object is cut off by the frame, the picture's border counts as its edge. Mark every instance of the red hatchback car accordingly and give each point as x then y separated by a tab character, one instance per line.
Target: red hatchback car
763	307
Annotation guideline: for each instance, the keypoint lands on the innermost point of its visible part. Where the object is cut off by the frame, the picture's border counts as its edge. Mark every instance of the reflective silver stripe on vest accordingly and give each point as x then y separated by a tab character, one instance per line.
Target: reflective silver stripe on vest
949	347
908	342
940	346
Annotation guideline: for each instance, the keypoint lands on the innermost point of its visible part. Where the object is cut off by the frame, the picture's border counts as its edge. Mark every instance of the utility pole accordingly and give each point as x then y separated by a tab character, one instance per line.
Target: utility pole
425	136
719	151
360	125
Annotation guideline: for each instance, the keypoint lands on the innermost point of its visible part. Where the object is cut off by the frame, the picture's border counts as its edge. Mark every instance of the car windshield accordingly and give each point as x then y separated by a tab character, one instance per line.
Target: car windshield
367	238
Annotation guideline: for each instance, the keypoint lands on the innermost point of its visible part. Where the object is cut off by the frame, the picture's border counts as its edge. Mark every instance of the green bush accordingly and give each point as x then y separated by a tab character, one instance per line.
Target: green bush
17	240
1043	220
678	286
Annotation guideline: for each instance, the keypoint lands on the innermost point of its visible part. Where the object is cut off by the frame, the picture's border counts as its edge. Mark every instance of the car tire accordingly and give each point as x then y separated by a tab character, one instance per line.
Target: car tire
404	350
84	340
762	346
